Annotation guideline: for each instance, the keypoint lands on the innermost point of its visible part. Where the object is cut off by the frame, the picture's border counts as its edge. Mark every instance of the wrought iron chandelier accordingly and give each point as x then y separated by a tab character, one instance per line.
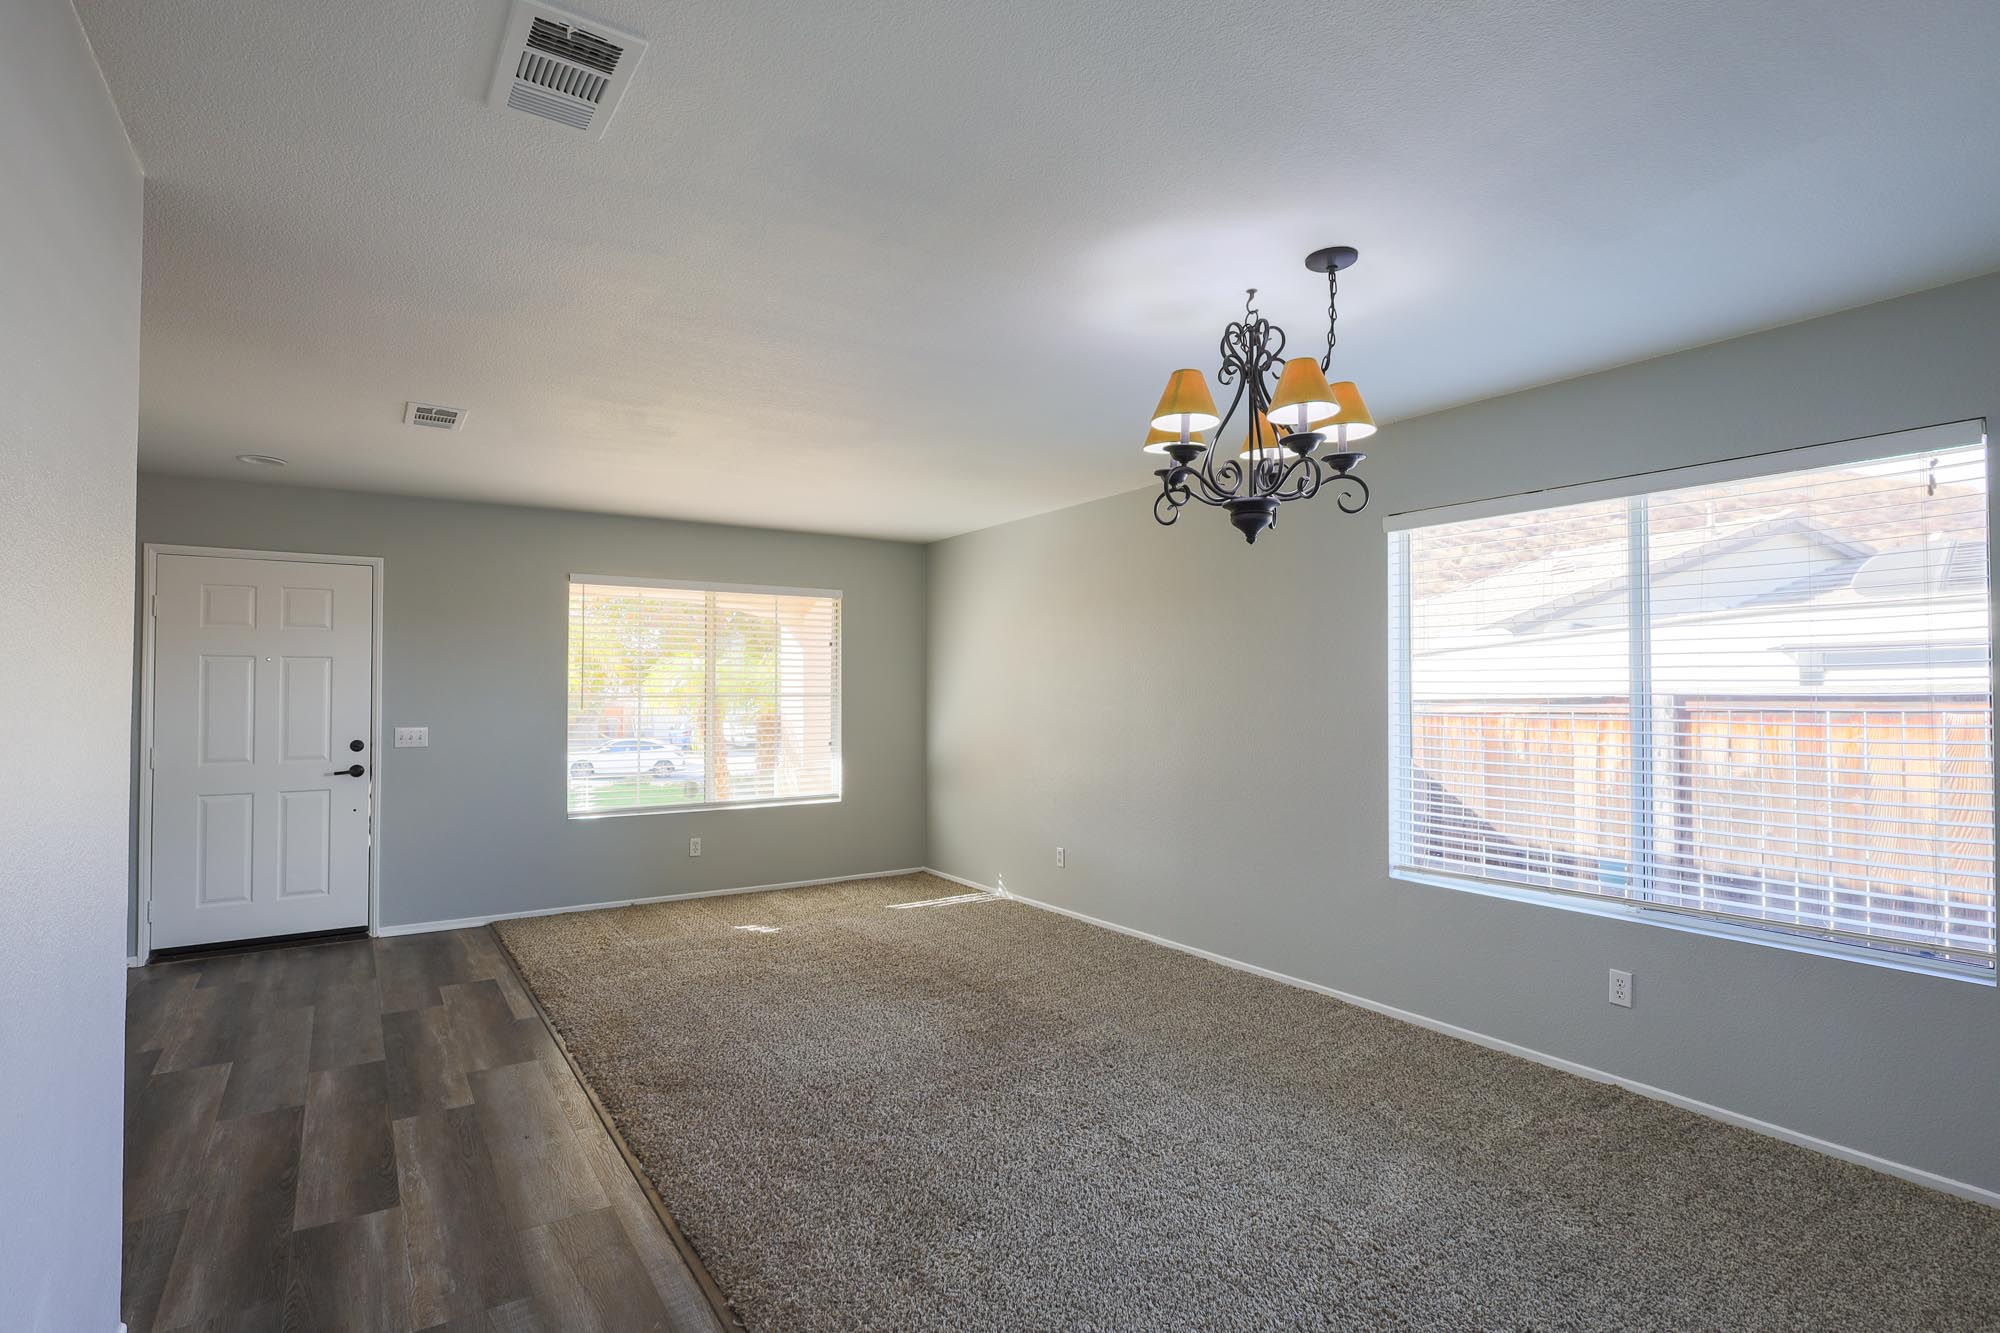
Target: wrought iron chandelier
1291	411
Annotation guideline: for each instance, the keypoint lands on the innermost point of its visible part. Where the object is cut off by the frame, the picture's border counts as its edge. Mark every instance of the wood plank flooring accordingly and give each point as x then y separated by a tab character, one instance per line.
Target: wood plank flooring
375	1135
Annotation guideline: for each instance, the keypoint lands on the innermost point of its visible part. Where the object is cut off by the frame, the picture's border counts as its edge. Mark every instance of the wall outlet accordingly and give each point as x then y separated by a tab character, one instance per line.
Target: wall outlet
409	738
1621	988
694	846
1062	858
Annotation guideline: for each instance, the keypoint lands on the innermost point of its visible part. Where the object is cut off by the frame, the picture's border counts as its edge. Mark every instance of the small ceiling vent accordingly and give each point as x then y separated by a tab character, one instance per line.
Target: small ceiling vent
563	68
433	416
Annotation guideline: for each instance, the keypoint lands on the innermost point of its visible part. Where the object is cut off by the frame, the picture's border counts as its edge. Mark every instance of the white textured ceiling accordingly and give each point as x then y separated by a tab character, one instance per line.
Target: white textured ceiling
909	269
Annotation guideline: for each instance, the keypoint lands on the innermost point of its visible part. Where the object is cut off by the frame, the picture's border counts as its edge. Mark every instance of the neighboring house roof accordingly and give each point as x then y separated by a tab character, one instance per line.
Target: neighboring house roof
1530	596
1911	622
1671	553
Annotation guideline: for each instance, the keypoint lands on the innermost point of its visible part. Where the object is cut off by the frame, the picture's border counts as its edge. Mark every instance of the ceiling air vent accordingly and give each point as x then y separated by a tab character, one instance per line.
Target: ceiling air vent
563	68
433	416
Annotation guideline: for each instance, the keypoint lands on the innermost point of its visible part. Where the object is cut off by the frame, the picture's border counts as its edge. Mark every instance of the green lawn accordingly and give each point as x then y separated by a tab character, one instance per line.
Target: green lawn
602	794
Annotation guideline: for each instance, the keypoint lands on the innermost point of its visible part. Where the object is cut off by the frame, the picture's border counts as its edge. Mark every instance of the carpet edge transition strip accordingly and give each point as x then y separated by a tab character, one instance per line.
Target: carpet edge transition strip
718	1300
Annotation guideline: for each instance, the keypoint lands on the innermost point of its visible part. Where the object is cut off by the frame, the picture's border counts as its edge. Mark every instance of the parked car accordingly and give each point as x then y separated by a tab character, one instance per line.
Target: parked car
627	758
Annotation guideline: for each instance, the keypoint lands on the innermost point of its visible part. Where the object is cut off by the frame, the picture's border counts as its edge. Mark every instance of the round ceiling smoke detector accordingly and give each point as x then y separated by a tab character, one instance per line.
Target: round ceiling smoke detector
261	460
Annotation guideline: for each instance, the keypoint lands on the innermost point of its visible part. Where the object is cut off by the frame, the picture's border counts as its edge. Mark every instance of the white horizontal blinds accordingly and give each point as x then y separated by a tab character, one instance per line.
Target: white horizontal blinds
1521	746
689	696
638	698
1767	700
1820	658
776	682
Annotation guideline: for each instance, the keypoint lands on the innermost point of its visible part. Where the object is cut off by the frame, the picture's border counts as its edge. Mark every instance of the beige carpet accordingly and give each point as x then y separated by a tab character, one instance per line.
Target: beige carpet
977	1115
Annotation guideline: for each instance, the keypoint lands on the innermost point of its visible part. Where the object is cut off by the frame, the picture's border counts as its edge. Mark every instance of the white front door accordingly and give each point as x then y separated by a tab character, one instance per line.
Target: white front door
263	680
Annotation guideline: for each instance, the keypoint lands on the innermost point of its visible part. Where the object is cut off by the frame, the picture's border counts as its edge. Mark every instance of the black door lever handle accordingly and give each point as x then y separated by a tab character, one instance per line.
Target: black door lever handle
353	772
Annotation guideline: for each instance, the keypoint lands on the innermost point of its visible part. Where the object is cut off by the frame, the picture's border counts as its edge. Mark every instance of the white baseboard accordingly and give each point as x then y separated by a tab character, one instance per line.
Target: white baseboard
134	960
465	922
969	883
1916	1175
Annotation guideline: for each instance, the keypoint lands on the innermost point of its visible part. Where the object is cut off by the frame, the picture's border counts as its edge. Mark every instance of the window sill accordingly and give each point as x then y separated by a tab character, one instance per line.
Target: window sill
1640	912
711	807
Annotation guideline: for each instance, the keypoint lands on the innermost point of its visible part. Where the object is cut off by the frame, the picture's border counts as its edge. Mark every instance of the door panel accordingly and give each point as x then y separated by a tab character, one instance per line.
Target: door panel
262	676
224	852
228	606
305	830
228	703
305	708
308	608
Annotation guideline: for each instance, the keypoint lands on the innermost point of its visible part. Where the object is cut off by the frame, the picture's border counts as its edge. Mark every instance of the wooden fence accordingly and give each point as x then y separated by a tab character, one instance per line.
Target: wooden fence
1875	816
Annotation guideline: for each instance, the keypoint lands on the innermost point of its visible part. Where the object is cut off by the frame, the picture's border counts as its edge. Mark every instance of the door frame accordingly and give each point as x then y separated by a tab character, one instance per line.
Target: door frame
142	759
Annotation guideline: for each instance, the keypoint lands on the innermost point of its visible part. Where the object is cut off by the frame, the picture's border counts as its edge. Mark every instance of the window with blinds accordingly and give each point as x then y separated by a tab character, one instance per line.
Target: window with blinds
1761	698
684	696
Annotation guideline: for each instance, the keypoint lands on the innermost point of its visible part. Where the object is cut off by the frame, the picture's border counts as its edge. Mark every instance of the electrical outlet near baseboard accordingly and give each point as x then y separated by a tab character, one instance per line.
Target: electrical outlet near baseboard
1621	988
1062	858
694	846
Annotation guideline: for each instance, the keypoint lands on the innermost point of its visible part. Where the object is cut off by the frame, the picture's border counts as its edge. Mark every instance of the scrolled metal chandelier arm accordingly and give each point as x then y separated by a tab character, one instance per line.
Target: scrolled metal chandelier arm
1308	471
1347	484
1215	486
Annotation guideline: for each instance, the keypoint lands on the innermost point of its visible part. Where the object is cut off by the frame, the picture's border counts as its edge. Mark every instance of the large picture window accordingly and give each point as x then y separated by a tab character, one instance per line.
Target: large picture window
1762	698
685	696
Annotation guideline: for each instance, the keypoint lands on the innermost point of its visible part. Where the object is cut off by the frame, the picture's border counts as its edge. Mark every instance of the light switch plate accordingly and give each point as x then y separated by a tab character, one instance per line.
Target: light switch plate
408	738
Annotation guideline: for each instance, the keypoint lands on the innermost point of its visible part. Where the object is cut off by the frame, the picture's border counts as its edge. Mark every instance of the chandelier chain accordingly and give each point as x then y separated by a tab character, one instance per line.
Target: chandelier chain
1332	318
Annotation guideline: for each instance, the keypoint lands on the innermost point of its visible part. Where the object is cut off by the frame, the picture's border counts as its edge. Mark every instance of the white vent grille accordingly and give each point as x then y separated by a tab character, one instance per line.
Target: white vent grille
433	416
563	68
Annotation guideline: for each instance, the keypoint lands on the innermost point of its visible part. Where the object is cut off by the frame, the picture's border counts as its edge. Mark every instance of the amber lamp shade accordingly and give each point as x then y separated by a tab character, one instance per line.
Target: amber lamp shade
1302	395
1186	404
1353	414
1261	441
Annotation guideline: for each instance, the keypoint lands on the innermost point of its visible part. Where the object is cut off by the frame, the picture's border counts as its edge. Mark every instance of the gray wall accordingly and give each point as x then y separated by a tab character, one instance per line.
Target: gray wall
1202	725
474	642
69	410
